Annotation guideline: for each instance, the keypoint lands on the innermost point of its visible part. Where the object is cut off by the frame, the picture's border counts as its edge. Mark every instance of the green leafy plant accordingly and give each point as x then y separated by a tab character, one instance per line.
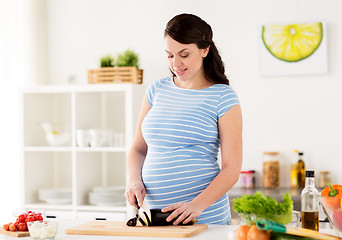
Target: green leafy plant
265	206
107	61
128	58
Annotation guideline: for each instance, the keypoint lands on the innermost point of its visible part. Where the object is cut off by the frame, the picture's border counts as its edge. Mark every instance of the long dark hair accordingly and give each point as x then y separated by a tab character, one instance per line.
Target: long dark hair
188	28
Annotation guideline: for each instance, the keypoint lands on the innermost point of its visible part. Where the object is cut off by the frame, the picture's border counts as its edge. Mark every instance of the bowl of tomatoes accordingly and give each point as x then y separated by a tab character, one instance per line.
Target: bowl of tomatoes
22	218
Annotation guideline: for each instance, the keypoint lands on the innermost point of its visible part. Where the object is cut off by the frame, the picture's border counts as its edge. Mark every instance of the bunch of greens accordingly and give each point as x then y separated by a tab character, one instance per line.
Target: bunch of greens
127	58
265	207
107	61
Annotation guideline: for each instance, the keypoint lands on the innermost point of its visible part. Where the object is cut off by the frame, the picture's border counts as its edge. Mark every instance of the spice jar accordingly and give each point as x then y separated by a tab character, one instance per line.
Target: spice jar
271	170
242	180
250	179
323	179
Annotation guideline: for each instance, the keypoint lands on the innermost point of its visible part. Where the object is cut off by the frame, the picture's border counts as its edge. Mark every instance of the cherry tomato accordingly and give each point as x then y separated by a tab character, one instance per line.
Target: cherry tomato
21	218
29	212
6	227
39	218
32	214
22	227
12	227
30	219
16	225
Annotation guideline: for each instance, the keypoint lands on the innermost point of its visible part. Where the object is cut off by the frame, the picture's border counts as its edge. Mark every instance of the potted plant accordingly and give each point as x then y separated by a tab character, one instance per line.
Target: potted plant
124	70
128	58
107	61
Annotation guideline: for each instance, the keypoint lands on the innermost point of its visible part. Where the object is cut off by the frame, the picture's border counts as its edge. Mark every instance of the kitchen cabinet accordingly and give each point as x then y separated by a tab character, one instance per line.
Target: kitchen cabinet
113	107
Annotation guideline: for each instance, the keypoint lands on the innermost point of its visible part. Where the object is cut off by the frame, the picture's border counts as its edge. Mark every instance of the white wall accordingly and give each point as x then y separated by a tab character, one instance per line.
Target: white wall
22	63
280	113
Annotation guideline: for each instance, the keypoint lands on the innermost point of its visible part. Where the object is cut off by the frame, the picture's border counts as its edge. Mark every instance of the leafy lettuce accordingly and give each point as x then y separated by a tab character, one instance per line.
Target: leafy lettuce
265	207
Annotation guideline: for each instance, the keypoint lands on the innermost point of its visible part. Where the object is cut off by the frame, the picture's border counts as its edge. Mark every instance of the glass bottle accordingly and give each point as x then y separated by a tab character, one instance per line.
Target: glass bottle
324	179
301	170
271	170
294	170
309	202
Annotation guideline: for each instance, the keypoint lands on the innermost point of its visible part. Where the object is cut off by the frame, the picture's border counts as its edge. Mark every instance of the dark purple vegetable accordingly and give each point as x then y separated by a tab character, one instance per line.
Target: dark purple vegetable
159	218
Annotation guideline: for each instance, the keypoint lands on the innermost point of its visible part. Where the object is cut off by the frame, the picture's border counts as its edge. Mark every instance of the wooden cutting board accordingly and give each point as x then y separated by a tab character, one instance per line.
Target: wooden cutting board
120	229
16	233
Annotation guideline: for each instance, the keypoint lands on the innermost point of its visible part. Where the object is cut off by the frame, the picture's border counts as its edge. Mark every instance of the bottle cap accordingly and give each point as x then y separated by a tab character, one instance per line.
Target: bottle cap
300	153
309	173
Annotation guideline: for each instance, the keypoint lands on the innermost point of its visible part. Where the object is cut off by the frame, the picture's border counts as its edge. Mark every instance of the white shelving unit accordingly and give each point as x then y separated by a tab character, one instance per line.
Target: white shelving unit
99	106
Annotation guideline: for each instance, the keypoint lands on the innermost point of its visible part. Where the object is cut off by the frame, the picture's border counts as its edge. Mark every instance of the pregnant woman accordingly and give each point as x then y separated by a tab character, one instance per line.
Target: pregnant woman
184	120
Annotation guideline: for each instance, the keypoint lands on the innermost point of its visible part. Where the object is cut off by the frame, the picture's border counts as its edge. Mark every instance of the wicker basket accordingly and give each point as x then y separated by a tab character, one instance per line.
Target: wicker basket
115	75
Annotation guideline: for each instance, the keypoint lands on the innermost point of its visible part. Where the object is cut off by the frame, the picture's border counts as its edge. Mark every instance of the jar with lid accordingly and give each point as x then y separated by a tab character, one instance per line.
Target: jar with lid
323	179
242	180
250	179
271	170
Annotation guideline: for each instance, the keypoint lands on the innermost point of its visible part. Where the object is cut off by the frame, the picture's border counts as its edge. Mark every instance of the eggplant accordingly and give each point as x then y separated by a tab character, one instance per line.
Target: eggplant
158	218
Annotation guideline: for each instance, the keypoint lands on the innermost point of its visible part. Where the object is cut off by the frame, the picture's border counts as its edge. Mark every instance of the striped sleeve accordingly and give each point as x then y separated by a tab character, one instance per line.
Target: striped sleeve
227	100
151	90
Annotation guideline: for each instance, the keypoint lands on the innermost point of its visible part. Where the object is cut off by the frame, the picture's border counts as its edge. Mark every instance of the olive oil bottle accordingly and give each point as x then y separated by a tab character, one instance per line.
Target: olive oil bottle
309	202
297	170
301	170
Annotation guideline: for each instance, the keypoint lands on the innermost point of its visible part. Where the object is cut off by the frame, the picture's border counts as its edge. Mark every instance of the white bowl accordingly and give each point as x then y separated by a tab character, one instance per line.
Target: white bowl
57	139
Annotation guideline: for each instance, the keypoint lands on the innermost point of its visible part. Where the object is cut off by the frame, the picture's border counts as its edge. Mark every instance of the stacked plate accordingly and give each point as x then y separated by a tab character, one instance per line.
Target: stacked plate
107	196
55	195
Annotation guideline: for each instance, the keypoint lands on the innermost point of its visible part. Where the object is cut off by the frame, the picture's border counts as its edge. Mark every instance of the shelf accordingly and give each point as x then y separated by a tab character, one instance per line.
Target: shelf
47	149
77	149
102	149
101	209
41	206
111	108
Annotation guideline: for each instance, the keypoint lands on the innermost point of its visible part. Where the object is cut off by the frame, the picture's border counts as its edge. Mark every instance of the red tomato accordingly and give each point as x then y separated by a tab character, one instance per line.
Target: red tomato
21	218
32	214
16	224
22	227
30	219
39	218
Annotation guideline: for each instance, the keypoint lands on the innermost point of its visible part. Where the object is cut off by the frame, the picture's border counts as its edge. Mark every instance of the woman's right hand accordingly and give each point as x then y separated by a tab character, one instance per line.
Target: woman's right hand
135	190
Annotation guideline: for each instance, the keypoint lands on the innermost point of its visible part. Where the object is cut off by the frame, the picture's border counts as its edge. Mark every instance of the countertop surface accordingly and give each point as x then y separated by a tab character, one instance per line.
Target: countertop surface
213	232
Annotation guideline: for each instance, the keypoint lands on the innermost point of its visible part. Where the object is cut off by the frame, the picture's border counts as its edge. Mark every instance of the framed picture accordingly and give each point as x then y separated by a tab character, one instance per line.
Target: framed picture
293	49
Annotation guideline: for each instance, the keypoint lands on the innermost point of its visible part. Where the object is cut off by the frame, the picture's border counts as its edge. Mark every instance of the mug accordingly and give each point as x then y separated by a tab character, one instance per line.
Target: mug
82	138
98	138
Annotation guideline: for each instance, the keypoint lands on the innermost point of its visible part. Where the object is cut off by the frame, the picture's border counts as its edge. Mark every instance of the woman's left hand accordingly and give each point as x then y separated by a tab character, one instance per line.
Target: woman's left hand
185	212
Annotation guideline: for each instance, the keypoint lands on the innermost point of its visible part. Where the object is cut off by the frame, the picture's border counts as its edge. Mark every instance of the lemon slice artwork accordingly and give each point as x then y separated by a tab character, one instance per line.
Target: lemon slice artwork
294	42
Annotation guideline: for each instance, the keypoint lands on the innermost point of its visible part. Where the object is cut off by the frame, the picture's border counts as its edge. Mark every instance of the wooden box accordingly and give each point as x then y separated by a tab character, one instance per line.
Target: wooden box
115	75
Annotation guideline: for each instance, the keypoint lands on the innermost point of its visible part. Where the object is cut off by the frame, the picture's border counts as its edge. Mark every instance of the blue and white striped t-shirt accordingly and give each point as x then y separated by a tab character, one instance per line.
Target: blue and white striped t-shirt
181	132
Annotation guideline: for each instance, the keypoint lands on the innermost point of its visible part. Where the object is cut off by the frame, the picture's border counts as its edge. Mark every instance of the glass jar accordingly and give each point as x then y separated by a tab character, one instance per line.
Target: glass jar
271	170
250	179
242	180
323	179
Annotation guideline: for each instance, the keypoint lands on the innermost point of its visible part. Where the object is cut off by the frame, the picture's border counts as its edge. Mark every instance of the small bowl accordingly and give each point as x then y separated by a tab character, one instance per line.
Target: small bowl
57	139
42	229
333	210
290	219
